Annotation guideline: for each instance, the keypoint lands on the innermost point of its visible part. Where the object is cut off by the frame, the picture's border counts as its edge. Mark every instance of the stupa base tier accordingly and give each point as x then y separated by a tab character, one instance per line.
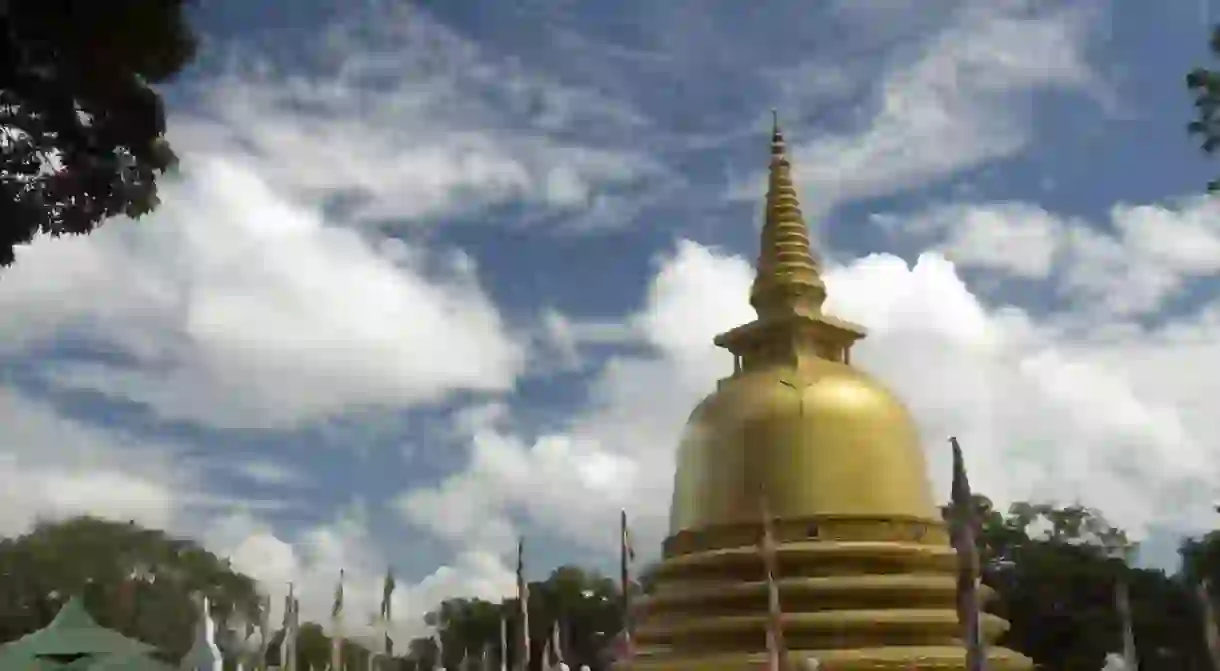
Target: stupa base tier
937	658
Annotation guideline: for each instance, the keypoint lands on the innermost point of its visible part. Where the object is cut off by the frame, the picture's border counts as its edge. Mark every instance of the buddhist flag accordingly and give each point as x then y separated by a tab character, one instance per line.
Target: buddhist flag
336	610
292	623
387	593
336	616
1210	633
523	600
962	531
776	650
628	549
626	556
623	647
557	644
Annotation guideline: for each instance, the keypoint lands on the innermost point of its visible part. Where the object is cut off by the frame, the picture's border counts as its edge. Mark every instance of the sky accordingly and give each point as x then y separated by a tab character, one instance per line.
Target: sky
436	275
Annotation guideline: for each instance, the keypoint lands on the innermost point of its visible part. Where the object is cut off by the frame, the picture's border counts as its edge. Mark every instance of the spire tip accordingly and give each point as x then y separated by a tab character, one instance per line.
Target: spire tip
777	136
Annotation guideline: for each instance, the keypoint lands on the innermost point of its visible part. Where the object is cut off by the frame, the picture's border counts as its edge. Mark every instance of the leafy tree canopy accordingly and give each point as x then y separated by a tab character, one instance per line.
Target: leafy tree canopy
137	581
1055	571
1204	84
83	128
584	603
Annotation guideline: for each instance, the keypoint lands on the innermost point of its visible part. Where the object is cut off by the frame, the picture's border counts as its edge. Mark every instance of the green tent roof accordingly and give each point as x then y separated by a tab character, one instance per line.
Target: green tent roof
30	665
72	632
124	663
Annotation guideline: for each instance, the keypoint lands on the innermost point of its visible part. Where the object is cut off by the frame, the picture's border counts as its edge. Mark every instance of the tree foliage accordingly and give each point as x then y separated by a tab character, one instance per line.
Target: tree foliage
137	581
1204	84
314	649
83	128
1055	571
584	603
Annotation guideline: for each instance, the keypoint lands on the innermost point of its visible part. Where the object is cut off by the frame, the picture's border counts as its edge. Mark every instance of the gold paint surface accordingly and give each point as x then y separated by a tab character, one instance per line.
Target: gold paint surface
828	440
928	658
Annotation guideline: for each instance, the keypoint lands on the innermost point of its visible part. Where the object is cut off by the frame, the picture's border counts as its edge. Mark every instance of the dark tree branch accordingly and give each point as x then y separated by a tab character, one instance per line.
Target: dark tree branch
84	130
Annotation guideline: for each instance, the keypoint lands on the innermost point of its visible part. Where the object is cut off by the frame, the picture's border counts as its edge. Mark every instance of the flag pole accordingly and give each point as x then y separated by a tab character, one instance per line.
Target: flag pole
1122	603
387	617
523	598
962	525
288	647
626	556
264	625
777	651
503	639
336	615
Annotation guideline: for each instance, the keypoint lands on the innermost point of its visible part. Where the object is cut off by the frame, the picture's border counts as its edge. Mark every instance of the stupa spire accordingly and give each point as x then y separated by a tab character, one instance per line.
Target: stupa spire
788	291
788	279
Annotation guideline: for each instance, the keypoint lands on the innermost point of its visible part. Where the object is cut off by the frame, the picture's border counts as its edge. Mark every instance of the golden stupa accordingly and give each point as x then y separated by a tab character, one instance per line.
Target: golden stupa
866	575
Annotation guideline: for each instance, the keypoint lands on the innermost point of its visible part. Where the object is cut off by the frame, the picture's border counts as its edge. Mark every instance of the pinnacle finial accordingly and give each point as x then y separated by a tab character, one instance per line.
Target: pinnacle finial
777	136
788	280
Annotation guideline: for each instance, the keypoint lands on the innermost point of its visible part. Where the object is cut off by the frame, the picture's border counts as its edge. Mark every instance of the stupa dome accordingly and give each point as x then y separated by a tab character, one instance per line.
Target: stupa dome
822	440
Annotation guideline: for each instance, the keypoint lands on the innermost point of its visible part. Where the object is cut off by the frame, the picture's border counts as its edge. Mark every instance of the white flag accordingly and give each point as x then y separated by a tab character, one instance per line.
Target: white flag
336	614
557	644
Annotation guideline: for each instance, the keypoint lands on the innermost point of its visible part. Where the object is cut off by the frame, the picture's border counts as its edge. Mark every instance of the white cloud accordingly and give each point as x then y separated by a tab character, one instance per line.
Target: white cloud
411	121
52	467
1019	239
311	561
957	102
238	308
267	472
1131	264
250	299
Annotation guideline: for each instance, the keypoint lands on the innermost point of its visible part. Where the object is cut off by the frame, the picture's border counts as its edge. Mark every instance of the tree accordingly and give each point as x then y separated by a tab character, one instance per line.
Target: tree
584	602
314	649
1054	570
1205	85
1201	559
137	581
83	129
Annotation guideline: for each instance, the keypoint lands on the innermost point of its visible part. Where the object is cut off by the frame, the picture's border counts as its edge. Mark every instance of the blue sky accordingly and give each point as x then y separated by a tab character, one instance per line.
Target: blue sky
437	274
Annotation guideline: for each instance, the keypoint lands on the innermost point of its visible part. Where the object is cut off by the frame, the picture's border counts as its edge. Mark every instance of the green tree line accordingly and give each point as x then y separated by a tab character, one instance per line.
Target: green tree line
1053	569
